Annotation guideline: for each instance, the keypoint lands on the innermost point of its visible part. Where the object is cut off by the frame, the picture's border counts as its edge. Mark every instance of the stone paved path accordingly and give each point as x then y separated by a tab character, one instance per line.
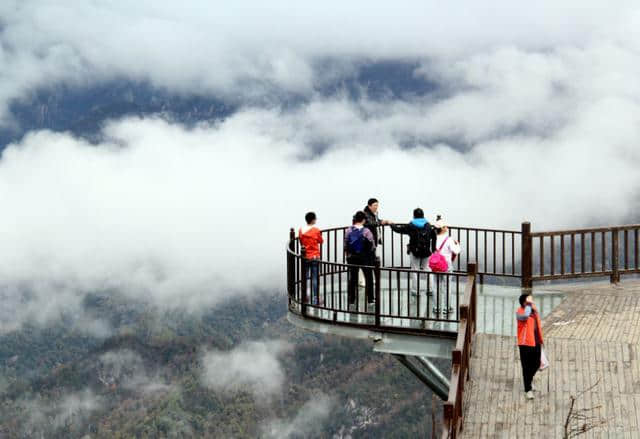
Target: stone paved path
593	342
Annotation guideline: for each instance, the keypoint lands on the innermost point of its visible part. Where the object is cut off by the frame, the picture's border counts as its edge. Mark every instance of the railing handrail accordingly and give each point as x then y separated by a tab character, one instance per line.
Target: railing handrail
586	230
461	357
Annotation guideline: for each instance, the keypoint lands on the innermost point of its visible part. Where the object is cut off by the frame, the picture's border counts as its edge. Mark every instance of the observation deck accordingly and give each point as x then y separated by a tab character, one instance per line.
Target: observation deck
418	316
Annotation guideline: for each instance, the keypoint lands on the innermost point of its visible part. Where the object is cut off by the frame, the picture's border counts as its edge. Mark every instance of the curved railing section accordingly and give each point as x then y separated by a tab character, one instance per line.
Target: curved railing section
406	299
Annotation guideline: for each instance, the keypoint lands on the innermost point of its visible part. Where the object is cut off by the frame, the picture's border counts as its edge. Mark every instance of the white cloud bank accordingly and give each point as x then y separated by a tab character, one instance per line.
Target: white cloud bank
188	217
545	118
242	49
252	366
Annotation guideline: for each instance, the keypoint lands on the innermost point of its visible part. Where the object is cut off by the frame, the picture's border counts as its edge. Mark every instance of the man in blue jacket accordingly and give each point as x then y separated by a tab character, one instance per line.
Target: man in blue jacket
422	242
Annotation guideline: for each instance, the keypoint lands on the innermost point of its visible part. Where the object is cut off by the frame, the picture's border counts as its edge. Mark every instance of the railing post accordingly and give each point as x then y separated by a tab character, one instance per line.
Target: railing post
472	269
303	266
376	271
291	266
526	259
615	273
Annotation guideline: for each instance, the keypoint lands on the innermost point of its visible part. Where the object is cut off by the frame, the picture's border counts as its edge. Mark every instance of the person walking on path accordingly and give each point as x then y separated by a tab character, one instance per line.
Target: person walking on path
449	248
359	246
422	242
529	341
311	238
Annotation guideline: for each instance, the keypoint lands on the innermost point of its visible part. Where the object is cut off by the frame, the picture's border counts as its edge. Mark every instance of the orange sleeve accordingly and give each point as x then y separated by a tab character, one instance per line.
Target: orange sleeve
319	236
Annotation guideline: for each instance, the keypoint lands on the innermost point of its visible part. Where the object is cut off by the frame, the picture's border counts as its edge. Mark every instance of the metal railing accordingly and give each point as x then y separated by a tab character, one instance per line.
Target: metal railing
461	359
405	299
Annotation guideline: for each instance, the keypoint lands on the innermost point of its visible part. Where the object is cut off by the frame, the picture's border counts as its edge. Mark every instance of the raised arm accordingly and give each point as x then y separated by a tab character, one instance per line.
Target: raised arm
525	316
400	228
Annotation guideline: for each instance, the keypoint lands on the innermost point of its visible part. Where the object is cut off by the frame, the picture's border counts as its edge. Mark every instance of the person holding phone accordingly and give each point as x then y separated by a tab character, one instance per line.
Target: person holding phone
529	341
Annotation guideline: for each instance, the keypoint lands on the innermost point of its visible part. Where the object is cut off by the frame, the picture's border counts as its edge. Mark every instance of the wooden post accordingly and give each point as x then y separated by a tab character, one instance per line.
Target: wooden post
615	274
526	260
376	273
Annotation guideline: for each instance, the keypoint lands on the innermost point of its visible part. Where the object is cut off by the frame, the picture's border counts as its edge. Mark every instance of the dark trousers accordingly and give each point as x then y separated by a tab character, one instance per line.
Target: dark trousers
353	277
313	274
530	360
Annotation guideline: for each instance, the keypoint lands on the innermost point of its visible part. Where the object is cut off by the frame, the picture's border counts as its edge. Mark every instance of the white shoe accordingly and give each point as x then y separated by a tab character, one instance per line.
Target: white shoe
529	395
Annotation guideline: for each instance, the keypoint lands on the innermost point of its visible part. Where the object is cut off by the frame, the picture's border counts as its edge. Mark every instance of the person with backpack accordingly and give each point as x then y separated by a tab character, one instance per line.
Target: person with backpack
441	261
359	246
311	238
422	242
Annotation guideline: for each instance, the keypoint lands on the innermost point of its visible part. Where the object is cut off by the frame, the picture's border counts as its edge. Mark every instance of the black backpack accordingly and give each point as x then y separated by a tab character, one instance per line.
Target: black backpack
422	241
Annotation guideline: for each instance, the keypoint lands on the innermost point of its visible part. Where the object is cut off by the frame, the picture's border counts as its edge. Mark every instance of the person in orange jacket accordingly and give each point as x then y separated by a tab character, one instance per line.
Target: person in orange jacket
310	239
529	341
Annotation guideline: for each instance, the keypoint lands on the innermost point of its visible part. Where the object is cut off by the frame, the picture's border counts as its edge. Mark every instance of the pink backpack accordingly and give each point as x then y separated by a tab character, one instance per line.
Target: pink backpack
437	262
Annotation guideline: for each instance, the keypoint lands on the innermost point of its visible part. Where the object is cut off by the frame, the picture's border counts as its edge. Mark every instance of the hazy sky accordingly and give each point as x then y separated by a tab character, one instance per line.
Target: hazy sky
543	97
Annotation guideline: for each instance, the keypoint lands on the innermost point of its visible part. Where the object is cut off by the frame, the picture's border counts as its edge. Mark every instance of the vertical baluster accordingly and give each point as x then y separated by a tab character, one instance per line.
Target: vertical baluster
399	292
418	294
593	252
582	252
573	253
390	302
340	300
333	290
486	265
384	232
429	288
562	254
513	253
626	249
392	249
635	249
476	233
459	256
494	251
604	252
408	293
504	259
458	298
542	256
402	250
437	277
467	243
377	291
321	269
553	259
447	296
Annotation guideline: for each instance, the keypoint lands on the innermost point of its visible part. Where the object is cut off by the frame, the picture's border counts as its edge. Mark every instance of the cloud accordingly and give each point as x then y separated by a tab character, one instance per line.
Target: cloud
307	421
126	368
244	50
46	416
188	217
252	366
